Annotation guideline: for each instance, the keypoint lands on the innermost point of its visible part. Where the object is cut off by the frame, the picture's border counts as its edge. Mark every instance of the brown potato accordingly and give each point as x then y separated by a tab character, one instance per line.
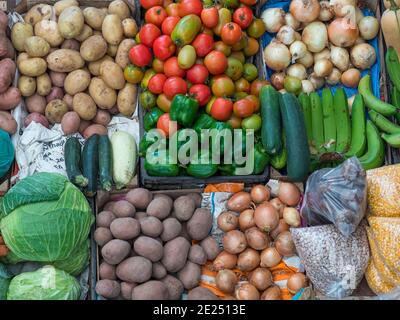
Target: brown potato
68	99
130	27
19	33
85	33
55	110
104	96
84	105
94	17
36	47
7	122
102	117
36	103
141	215
33	67
126	100
174	286
70	122
105	218
48	30
21	57
125	228
38	13
210	247
65	60
201	293
171	229
70	22
112	29
120	8
112	50
55	93
102	236
94	129
60	6
197	255
139	197
43	84
196	197
123	208
149	248
77	81
57	78
184	207
200	224
159	271
107	271
190	275
122	56
108	288
151	290
151	226
27	86
184	232
175	254
135	269
115	251
159	208
94	67
93	48
71	44
112	75
126	290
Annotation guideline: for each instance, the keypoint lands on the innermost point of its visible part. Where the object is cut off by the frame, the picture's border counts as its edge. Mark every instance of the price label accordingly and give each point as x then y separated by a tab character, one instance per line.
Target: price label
3	5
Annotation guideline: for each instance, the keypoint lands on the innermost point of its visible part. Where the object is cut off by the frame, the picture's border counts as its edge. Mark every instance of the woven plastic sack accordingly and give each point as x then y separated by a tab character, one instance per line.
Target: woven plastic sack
383	272
336	196
335	264
384	191
6	152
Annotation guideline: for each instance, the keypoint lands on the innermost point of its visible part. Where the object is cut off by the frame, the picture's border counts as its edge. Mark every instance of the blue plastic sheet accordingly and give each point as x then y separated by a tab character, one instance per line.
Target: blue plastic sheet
374	71
6	152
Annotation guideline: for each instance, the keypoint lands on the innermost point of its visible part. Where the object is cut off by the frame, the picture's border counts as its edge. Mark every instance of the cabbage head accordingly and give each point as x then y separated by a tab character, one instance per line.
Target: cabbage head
46	283
45	218
5	278
77	262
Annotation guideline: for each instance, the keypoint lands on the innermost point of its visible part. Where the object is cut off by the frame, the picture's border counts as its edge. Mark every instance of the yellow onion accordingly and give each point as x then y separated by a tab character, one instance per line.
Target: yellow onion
296	282
289	193
234	242
351	78
257	239
259	193
239	201
227	221
272	293
282	226
284	244
277	55
326	12
315	36
246	291
224	260
246	219
342	32
340	58
261	278
363	56
334	77
270	257
266	217
248	260
305	10
226	281
369	27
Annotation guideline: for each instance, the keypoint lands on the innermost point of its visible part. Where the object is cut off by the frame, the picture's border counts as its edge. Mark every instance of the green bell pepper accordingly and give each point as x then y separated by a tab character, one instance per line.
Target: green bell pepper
204	122
261	159
184	110
150	118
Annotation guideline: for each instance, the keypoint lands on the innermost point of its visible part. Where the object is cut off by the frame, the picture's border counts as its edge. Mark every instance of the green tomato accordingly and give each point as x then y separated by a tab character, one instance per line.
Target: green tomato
250	72
235	69
252	122
292	84
147	100
187	57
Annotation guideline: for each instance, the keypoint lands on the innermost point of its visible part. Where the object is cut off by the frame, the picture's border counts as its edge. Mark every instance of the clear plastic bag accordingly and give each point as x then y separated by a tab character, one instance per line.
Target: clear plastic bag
336	196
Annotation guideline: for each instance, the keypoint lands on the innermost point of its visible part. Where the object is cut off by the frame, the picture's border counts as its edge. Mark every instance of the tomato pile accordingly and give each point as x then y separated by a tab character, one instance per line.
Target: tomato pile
203	51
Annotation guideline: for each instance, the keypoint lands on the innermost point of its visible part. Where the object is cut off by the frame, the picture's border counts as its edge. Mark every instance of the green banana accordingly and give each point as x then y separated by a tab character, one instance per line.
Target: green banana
393	66
342	118
392	139
375	155
329	120
358	137
383	123
317	122
305	103
395	100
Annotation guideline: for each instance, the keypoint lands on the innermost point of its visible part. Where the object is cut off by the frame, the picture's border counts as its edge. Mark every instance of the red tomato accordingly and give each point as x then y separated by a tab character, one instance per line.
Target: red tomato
209	17
203	44
156	83
197	74
243	16
155	15
169	24
140	55
174	86
216	62
150	3
231	33
148	33
163	47
167	126
243	108
221	109
172	69
201	93
167	2
249	2
173	10
187	7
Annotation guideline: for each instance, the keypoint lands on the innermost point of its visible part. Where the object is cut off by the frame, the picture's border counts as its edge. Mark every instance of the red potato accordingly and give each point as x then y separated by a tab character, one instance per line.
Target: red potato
71	44
70	122
10	99
3	21
7	122
102	117
36	117
36	103
84	124
57	78
7	73
94	128
10	51
55	93
68	100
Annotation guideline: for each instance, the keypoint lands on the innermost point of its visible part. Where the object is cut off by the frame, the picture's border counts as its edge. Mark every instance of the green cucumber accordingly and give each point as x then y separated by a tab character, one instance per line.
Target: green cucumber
329	120
317	122
202	171
271	120
383	123
298	153
305	103
358	134
105	163
72	155
278	161
342	118
375	155
90	164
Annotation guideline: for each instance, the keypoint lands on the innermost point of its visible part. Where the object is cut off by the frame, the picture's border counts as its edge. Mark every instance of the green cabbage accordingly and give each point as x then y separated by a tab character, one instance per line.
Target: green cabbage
46	283
45	218
77	262
5	278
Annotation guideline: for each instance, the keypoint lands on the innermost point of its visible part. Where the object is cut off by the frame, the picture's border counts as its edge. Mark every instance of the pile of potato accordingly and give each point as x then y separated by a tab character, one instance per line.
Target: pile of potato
146	247
71	62
10	97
